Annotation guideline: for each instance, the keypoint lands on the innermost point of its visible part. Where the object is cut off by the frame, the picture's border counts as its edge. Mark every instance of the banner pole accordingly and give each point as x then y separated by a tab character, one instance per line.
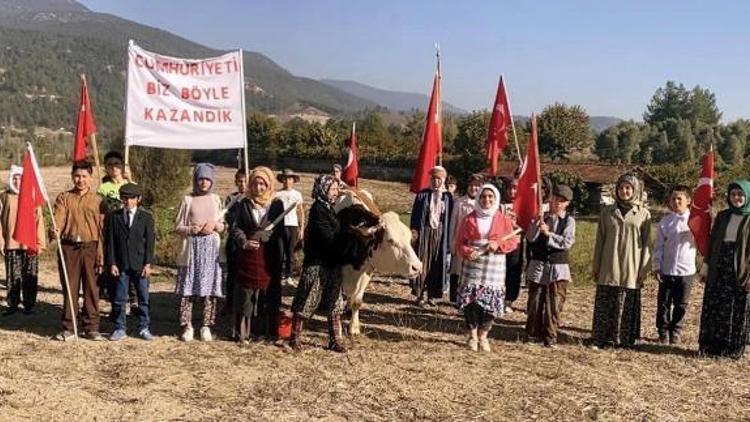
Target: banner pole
244	114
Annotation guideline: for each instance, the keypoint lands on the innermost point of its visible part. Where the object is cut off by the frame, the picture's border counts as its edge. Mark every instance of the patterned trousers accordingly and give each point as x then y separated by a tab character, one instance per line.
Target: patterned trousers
21	271
209	310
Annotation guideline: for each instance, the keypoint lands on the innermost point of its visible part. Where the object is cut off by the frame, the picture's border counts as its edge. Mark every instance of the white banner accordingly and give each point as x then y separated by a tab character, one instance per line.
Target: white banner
184	103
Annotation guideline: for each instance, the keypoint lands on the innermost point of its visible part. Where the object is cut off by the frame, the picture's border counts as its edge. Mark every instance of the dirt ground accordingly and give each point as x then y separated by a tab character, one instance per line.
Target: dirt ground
411	363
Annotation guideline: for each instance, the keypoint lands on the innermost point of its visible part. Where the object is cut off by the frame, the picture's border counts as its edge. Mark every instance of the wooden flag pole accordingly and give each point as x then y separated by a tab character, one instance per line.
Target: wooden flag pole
438	105
93	141
60	253
512	123
64	268
244	116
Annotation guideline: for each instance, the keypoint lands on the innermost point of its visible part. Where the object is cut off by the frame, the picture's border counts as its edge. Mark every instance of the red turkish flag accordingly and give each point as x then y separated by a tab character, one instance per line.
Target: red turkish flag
526	204
432	141
700	211
350	175
85	125
30	196
497	135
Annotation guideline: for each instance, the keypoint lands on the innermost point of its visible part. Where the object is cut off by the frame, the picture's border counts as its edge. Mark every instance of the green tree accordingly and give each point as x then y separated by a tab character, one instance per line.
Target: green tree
670	102
564	130
469	145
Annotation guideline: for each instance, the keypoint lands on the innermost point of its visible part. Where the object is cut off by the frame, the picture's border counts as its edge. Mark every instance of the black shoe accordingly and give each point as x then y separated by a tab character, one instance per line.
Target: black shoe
663	339
28	311
10	311
675	339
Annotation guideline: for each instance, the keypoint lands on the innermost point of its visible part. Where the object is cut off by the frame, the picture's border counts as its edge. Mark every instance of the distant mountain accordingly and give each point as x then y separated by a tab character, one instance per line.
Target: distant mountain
598	123
394	100
45	44
602	123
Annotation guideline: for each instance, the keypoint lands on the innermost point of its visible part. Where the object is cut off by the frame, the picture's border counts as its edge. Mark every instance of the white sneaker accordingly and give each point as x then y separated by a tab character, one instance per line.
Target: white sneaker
473	344
507	308
187	334
206	334
484	344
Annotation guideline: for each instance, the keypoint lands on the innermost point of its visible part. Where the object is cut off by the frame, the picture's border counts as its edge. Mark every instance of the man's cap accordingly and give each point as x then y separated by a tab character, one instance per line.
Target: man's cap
130	190
563	191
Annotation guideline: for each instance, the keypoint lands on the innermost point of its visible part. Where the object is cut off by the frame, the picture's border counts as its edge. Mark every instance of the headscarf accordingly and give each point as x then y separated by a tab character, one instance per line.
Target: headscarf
441	173
490	212
262	200
14	170
203	171
320	188
744	186
485	216
631	179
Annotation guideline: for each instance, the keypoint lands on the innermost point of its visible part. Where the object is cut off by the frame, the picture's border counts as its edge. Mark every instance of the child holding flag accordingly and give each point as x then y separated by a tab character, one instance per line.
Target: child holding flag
21	264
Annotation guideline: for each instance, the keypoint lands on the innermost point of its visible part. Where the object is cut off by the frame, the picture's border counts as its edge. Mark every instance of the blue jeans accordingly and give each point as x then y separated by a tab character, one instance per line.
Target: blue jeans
121	298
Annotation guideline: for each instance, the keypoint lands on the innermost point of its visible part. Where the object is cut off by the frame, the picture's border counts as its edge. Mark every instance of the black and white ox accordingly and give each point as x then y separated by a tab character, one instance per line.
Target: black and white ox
371	243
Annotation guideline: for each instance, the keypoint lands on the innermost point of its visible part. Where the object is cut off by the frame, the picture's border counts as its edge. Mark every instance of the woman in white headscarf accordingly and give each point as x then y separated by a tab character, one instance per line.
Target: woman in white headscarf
484	237
21	265
430	225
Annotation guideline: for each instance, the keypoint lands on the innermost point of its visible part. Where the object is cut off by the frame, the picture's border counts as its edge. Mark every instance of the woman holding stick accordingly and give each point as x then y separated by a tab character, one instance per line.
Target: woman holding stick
484	237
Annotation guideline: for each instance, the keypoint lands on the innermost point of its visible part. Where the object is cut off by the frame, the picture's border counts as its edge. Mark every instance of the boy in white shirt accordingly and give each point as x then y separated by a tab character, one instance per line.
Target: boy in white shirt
674	266
294	223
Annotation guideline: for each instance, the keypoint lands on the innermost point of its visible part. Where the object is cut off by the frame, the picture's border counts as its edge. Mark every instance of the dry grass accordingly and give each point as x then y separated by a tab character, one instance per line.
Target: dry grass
410	364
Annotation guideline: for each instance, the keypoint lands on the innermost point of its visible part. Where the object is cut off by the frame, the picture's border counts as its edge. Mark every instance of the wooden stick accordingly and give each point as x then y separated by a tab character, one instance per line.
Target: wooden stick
66	281
512	124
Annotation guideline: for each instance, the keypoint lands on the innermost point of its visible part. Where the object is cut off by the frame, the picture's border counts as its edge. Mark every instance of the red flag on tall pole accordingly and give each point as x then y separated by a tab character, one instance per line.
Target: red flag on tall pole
31	195
527	202
700	210
497	135
350	175
85	125
432	141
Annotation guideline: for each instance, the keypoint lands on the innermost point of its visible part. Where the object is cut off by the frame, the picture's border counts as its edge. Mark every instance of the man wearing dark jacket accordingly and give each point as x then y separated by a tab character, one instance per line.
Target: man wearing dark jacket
129	253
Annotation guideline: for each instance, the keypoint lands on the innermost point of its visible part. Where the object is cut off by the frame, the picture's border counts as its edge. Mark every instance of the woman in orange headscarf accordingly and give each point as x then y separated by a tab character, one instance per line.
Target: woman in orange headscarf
257	290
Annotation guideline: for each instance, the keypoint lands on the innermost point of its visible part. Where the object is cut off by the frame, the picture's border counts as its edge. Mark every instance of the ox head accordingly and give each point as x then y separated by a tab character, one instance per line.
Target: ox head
394	254
381	242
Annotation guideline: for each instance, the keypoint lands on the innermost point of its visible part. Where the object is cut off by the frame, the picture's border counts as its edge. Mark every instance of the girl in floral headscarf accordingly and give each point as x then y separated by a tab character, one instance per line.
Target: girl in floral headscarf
319	287
726	300
622	256
257	264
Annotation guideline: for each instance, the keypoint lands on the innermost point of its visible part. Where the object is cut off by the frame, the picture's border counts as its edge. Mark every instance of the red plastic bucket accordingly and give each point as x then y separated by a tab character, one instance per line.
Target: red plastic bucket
285	325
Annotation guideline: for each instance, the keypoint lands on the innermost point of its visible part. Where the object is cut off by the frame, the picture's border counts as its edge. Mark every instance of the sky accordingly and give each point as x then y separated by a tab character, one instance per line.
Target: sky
608	56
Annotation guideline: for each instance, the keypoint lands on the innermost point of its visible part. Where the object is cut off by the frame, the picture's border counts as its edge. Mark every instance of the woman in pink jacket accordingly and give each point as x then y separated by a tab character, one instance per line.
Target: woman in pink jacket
484	237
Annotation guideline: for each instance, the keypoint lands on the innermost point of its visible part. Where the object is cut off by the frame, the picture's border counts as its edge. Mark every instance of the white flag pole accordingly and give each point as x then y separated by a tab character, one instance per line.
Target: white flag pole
60	253
244	115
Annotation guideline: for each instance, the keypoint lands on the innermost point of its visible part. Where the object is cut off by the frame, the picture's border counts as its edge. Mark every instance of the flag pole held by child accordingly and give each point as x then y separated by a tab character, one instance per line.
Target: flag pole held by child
33	194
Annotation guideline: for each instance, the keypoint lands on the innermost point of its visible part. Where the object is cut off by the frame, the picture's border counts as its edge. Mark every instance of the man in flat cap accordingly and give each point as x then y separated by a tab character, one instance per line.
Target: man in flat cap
129	253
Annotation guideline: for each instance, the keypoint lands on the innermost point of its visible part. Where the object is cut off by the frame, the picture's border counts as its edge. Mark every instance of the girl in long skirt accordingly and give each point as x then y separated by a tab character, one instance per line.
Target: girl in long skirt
199	222
622	258
319	288
726	302
484	237
257	287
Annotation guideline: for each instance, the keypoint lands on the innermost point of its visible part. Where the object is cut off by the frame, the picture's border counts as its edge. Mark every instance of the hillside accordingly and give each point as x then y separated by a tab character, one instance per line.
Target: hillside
393	100
48	42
